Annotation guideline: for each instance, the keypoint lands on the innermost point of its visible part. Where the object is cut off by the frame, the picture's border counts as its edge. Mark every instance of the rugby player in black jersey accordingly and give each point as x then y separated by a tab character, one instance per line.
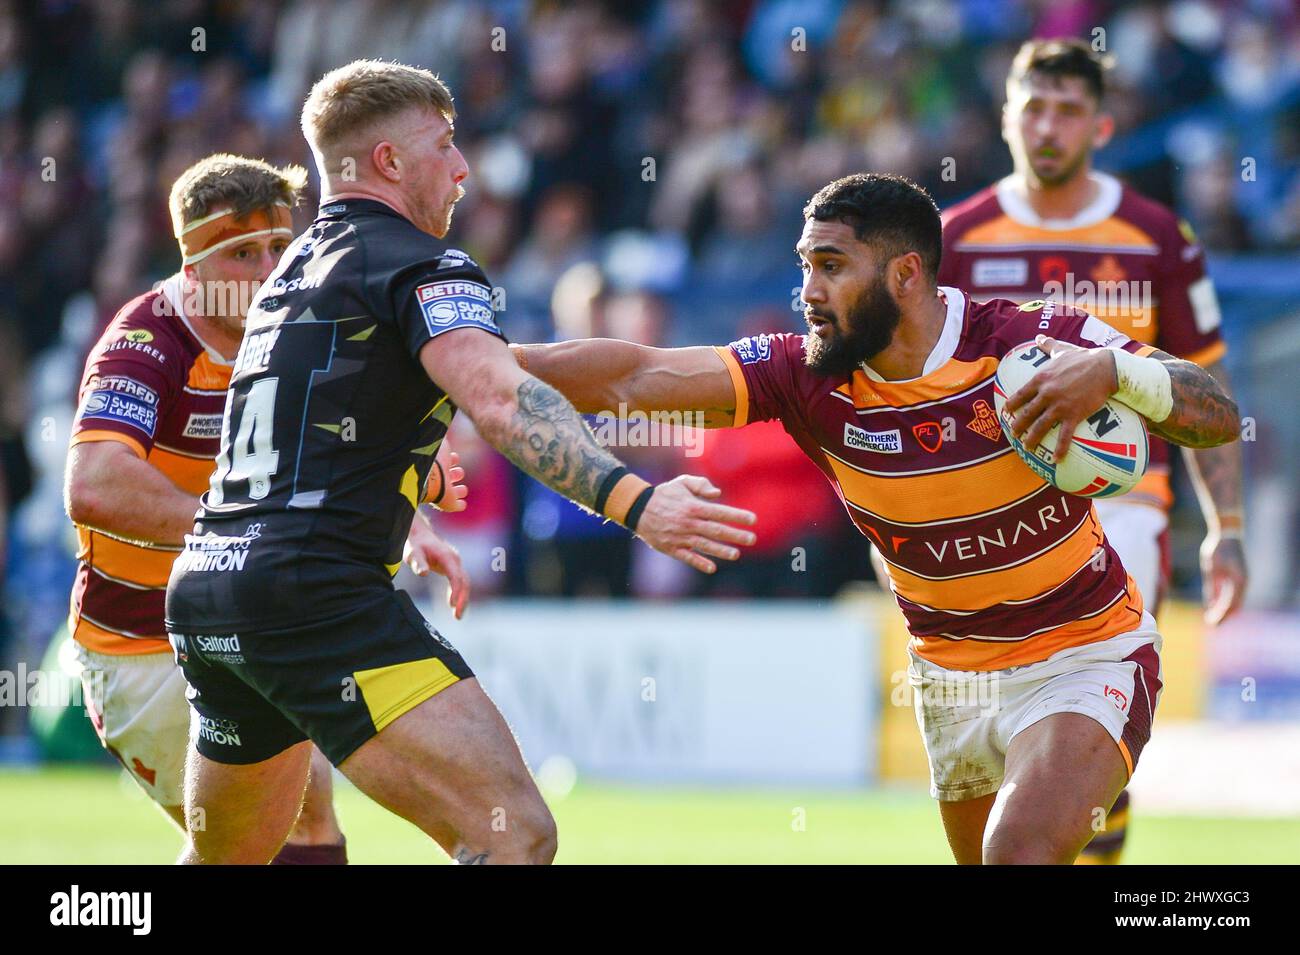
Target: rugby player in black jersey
359	349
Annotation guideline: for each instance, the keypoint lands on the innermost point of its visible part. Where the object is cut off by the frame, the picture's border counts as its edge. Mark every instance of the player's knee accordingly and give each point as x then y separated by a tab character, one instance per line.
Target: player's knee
539	838
533	836
1027	848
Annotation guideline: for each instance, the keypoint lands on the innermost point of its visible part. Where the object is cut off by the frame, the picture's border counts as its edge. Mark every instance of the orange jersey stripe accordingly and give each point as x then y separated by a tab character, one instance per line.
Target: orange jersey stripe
1209	355
100	640
738	383
957	492
1152	488
186	471
972	653
143	566
207	375
945	384
86	437
1003	231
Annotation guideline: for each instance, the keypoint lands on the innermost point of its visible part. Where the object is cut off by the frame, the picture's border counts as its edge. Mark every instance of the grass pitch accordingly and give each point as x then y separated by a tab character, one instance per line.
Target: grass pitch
93	815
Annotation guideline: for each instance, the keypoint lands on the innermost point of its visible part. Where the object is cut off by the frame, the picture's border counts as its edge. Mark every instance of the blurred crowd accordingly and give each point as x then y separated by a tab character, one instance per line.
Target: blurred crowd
637	170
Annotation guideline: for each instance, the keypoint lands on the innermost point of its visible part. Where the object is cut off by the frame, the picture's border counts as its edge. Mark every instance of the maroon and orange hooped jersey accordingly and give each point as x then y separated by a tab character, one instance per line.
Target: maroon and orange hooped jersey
1125	258
152	385
991	566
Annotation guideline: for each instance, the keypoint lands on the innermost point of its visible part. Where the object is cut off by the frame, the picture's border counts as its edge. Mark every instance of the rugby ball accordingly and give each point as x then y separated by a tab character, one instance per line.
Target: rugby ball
1109	453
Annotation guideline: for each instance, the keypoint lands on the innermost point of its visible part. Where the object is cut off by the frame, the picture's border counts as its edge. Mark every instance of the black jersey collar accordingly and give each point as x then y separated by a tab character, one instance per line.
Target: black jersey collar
338	208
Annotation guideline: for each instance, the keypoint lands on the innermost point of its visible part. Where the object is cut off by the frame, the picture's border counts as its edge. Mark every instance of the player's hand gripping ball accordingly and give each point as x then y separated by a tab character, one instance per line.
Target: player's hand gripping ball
1107	454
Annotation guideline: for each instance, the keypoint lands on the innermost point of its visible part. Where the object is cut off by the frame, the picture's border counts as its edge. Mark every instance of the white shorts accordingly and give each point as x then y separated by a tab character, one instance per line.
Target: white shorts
969	718
138	707
1134	531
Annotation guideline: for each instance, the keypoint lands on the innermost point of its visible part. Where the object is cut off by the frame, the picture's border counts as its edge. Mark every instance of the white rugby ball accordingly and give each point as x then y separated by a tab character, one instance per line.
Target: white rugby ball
1109	453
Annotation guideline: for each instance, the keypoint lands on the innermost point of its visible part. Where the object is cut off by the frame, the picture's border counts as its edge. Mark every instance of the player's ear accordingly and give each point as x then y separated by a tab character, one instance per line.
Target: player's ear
385	159
1103	130
904	274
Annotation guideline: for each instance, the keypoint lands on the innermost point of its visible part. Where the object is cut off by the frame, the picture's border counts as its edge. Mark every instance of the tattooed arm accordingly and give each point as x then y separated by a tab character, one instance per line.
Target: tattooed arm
1216	475
542	434
1204	414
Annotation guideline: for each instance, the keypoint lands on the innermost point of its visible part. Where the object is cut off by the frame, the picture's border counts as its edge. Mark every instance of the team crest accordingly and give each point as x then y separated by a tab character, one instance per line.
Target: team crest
985	422
929	435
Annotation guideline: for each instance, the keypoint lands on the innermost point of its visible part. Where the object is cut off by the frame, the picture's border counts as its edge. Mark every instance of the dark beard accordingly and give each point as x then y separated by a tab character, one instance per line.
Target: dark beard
861	335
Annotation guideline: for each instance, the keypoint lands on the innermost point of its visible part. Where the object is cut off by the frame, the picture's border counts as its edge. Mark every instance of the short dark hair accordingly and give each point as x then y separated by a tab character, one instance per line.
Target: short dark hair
1060	58
891	213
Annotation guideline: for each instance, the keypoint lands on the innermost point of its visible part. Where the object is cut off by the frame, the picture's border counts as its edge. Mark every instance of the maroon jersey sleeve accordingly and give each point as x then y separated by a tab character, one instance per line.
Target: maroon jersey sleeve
134	371
765	372
1188	308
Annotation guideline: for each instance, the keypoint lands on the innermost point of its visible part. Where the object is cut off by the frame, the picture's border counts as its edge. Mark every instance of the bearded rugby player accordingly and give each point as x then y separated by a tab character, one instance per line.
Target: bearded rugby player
997	572
1057	228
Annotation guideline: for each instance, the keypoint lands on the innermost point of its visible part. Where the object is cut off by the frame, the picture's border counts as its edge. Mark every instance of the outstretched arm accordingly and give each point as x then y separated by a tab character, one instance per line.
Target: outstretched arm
534	426
600	374
1180	401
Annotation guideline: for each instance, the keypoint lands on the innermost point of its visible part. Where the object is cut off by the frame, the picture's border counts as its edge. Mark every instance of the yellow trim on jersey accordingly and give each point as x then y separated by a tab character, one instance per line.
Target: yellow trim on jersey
410	488
393	690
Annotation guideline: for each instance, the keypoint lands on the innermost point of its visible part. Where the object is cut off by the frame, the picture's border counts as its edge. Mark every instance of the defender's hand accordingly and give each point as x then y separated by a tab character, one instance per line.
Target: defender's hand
1223	577
1074	384
681	520
425	551
445	488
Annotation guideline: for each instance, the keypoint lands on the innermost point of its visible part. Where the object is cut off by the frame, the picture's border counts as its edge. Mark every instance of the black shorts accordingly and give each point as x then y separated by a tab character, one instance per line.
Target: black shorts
337	682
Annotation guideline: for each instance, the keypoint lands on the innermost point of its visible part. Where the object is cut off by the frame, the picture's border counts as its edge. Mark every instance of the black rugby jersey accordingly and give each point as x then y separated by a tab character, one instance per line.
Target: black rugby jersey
331	423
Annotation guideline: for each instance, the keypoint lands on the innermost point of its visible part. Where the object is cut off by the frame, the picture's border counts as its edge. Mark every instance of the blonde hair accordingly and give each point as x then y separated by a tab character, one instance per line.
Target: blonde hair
350	99
243	184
